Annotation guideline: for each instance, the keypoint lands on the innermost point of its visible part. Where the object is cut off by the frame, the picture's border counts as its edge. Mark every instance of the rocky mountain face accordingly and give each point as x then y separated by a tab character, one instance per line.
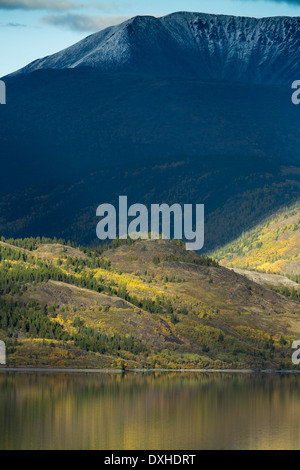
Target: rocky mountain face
194	45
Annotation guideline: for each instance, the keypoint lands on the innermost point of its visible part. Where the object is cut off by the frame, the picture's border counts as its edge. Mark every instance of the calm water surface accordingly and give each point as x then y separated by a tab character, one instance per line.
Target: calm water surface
163	411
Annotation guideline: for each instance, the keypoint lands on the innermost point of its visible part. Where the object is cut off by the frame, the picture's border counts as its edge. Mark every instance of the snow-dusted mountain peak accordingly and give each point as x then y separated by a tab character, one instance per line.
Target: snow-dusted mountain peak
193	45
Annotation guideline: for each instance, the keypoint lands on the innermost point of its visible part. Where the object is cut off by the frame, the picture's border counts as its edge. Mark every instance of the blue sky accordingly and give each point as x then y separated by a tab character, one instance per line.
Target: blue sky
30	29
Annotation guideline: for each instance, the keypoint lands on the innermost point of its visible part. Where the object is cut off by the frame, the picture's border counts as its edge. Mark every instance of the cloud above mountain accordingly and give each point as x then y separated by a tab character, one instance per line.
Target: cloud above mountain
55	5
86	23
288	2
12	25
39	4
292	2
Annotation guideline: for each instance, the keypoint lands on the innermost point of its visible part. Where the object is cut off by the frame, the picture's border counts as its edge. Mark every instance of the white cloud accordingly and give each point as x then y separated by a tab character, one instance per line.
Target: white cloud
56	5
288	2
83	22
12	25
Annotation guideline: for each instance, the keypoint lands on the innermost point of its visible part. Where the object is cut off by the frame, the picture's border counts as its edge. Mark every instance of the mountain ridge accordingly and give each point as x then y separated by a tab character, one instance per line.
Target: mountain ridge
186	44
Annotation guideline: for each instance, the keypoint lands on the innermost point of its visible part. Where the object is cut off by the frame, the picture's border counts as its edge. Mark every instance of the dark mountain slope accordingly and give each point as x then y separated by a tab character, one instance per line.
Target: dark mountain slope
237	193
75	121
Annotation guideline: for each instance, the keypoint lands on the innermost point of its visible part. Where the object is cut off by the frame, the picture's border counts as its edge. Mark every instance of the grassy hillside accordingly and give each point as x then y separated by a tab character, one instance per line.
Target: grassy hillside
148	304
271	247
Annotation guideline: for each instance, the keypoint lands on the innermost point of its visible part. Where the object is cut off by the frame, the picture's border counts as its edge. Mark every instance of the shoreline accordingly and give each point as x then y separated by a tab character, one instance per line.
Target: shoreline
134	371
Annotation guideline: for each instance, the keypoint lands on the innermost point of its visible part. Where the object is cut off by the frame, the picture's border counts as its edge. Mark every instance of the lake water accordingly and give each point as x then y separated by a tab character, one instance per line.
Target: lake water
151	411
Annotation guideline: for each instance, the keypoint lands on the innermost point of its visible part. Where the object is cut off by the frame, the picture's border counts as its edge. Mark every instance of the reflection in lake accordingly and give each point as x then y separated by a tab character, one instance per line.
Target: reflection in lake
155	411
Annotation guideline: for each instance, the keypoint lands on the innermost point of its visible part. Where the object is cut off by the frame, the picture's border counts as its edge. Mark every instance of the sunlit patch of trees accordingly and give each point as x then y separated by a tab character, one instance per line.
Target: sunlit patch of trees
292	294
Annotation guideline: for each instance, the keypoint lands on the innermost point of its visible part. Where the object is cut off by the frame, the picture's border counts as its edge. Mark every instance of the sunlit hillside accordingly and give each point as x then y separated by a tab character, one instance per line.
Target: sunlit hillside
145	304
272	247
